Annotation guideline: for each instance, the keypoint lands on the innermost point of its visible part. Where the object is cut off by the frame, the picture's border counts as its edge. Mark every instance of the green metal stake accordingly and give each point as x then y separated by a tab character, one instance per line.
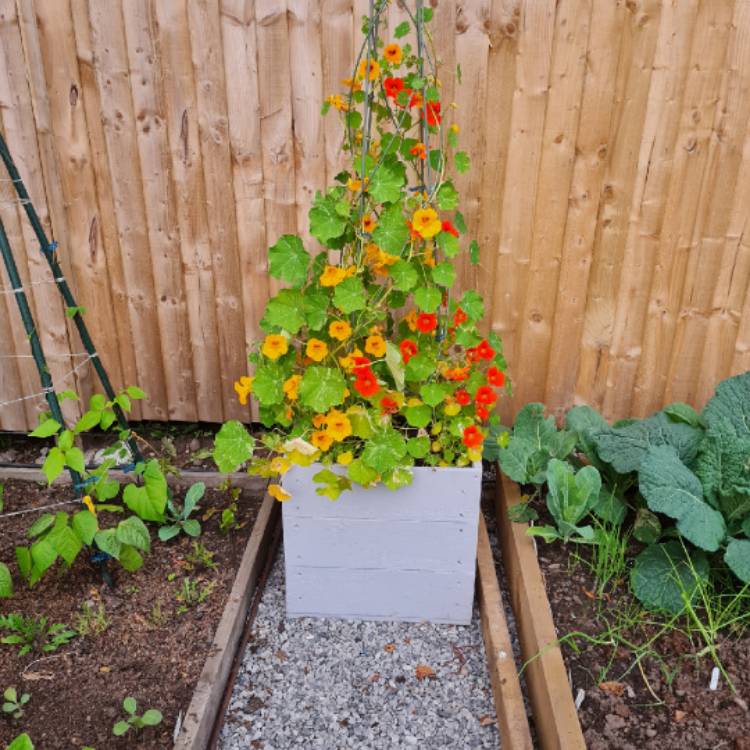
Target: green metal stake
33	337
48	250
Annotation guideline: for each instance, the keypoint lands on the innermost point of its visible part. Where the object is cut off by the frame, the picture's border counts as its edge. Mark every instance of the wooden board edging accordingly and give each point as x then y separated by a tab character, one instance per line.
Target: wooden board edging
512	721
556	718
207	697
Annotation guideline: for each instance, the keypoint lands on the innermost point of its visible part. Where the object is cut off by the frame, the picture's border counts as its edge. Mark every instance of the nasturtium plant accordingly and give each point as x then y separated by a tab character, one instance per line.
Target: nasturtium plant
370	362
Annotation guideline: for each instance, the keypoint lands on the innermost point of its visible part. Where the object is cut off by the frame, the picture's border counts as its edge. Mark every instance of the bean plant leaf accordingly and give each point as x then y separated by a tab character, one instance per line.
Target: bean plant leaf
669	487
53	465
233	446
46	429
321	388
664	578
85	526
288	260
133	532
150	500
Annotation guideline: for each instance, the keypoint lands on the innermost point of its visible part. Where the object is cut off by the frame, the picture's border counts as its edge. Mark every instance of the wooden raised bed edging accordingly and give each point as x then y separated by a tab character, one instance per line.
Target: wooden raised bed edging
551	698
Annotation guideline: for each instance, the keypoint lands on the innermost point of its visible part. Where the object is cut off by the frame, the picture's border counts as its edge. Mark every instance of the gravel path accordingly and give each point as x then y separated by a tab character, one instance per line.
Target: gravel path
332	684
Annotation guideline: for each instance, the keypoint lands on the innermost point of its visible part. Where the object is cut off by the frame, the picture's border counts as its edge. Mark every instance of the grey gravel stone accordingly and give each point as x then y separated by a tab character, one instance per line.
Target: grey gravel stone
331	684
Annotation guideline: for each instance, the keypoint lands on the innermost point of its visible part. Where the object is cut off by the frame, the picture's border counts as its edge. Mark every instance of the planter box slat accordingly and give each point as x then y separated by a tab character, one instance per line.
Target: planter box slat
382	555
556	717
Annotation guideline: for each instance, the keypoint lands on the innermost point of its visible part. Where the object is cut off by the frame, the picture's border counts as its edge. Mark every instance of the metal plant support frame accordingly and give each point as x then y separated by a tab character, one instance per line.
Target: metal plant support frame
49	250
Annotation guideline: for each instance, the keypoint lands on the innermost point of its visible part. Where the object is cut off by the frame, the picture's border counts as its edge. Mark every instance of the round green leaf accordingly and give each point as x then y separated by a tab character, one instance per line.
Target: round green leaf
404	275
349	295
428	298
232	447
288	260
384	451
444	274
321	388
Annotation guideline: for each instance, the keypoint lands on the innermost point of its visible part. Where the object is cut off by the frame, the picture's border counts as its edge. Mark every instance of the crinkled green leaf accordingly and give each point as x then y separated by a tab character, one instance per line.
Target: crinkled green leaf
647	526
233	446
350	295
400	476
326	223
392	232
428	298
321	388
384	450
671	488
729	409
133	532
664	578
387	180
285	311
737	557
268	383
571	495
404	275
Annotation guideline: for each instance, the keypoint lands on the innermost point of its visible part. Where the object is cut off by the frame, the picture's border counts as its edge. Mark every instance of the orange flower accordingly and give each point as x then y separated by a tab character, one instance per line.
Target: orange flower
339	330
319	420
290	387
448	227
321	440
274	346
375	345
457	373
332	275
495	377
316	349
472	437
393	54
337	101
426	322
408	350
353	84
373	69
420	151
428	258
416	100
459	317
425	221
338	425
485	395
244	387
411	320
433	113
368	224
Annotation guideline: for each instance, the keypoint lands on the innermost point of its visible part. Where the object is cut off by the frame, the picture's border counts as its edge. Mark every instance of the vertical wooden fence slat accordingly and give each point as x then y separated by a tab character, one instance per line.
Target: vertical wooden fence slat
118	120
213	130
572	25
119	317
658	141
151	129
631	86
591	156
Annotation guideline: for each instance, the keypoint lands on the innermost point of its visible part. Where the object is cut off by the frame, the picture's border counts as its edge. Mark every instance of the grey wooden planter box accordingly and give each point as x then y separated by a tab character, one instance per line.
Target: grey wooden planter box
378	554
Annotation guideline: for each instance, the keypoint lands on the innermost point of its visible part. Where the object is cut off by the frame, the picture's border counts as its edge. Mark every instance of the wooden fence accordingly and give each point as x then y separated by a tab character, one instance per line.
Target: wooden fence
167	143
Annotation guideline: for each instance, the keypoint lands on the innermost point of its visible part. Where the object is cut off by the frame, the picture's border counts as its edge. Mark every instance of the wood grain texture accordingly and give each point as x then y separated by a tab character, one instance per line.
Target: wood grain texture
167	145
551	697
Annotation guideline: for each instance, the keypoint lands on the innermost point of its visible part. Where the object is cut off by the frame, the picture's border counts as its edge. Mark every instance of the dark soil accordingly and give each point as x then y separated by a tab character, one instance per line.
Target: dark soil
669	705
149	651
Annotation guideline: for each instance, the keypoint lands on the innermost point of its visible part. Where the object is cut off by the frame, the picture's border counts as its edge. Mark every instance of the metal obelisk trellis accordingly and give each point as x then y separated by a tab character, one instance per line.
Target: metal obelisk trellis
49	250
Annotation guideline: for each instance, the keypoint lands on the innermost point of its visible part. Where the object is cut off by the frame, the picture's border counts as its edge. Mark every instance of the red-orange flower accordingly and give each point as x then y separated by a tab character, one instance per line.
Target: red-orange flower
457	373
366	383
484	350
408	350
415	100
426	322
472	437
482	413
433	113
420	151
448	227
485	395
459	317
495	377
361	365
472	354
462	397
388	405
393	86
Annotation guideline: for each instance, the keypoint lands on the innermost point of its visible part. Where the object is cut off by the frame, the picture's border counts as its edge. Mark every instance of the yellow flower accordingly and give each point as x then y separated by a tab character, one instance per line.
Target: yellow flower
280	465
474	454
347	362
426	222
355	185
372	253
321	440
350	270
337	101
316	349
384	261
351	83
428	258
455	128
277	492
345	458
368	224
275	346
338	425
319	420
375	345
290	387
373	69
411	319
86	500
393	54
332	275
339	330
243	388
414	401
452	408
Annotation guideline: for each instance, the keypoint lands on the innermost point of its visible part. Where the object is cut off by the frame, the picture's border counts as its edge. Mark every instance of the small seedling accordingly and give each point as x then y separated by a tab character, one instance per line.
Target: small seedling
191	594
22	742
92	621
32	633
179	520
157	617
201	557
13	704
150	718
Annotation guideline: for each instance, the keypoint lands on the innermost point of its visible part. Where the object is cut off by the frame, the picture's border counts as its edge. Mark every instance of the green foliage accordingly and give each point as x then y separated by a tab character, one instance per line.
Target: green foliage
6	582
233	446
150	500
288	260
91	620
13	703
149	718
21	742
179	518
33	634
